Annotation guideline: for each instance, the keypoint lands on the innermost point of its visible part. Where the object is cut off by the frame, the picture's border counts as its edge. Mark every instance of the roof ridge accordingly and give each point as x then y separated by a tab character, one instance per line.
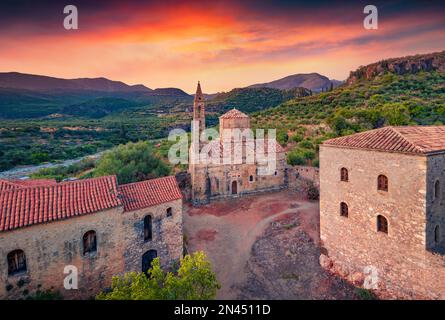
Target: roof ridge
63	183
145	181
415	146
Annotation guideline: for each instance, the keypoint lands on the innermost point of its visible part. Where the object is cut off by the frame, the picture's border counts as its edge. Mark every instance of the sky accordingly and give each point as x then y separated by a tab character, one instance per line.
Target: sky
224	44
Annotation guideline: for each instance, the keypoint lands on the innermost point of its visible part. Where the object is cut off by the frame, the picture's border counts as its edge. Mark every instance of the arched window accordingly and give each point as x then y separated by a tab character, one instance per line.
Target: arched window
169	212
437	234
276	173
89	242
148	228
16	262
437	190
382	183
344	176
251	178
344	210
382	224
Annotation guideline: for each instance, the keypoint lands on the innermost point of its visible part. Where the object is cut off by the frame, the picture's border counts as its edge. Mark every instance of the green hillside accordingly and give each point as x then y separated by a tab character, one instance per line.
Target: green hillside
387	99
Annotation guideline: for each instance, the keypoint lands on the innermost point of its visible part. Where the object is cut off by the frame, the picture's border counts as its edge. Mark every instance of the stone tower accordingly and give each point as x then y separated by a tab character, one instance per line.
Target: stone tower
198	173
199	109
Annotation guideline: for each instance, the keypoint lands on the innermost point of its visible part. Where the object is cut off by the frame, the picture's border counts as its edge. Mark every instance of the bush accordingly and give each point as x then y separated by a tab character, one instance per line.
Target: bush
194	280
295	158
132	162
312	192
306	144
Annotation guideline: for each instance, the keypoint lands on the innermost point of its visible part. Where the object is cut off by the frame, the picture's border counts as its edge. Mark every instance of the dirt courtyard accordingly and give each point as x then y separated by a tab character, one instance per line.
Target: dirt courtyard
264	247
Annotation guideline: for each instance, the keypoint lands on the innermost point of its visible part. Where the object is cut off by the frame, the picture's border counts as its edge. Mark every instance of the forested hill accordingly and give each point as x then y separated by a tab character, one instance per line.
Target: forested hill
390	97
400	66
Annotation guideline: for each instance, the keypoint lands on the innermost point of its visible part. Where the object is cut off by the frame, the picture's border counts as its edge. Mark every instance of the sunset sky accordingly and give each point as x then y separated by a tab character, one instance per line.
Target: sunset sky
224	44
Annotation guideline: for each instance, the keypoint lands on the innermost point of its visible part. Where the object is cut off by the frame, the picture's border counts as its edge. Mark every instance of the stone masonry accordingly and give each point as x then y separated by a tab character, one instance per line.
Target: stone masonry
407	261
50	242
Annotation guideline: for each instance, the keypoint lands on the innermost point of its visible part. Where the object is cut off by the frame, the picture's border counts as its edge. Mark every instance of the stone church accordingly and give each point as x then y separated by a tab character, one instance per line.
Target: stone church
218	179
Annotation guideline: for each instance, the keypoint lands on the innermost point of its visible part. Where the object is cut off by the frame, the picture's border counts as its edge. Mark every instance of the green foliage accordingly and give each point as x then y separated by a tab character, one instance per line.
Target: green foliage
282	137
45	295
62	172
194	280
253	99
132	162
365	294
297	137
368	104
295	158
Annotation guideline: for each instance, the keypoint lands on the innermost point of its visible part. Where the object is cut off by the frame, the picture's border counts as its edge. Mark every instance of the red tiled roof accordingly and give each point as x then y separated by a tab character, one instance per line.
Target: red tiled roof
21	207
6	185
234	114
149	193
16	184
409	139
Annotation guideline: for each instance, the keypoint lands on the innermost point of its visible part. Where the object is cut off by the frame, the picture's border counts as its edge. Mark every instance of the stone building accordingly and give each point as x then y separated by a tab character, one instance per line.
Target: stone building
218	179
95	225
382	209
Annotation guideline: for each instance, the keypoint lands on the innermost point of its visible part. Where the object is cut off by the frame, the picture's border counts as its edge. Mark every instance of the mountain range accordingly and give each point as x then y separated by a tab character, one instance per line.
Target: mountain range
36	96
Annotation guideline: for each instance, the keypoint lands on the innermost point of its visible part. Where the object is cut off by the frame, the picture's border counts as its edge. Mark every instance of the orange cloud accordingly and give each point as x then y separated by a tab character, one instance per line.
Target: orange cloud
224	46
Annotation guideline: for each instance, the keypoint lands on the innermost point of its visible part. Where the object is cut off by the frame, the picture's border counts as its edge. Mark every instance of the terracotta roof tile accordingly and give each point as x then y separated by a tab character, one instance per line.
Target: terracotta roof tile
409	139
149	193
234	114
25	206
16	184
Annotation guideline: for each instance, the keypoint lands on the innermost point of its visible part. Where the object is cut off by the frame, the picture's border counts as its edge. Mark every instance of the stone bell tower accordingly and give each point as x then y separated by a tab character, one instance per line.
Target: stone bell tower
198	172
199	109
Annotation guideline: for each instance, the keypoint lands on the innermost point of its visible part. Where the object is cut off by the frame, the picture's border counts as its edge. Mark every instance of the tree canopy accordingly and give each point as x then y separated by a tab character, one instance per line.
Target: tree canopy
194	280
132	162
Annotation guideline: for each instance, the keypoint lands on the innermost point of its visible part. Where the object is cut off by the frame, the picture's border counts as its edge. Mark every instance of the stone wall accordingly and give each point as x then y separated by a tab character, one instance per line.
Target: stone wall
167	238
299	173
436	204
216	181
120	246
404	267
50	247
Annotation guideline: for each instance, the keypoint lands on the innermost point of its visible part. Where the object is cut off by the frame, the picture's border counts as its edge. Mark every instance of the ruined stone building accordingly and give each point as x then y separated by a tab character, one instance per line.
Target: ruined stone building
95	225
218	180
382	209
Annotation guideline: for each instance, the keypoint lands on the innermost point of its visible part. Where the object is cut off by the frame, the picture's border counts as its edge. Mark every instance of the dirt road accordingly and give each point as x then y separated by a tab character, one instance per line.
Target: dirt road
263	246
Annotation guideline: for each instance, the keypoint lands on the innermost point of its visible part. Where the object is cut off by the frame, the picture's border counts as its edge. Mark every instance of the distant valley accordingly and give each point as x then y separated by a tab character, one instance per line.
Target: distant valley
48	119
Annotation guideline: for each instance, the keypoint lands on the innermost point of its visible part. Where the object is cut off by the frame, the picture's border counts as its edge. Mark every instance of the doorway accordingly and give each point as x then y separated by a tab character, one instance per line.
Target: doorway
234	187
147	260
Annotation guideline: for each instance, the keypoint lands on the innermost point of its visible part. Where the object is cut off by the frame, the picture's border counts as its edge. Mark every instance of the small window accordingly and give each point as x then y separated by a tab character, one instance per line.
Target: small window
437	235
382	183
437	190
276	173
169	212
251	178
148	228
382	224
344	175
89	242
344	210
16	262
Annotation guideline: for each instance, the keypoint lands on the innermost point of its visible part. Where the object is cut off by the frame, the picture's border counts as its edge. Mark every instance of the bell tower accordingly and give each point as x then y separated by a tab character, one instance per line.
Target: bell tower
199	109
198	172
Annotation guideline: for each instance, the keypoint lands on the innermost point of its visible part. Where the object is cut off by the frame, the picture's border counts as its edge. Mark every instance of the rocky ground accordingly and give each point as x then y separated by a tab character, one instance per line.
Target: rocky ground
264	247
